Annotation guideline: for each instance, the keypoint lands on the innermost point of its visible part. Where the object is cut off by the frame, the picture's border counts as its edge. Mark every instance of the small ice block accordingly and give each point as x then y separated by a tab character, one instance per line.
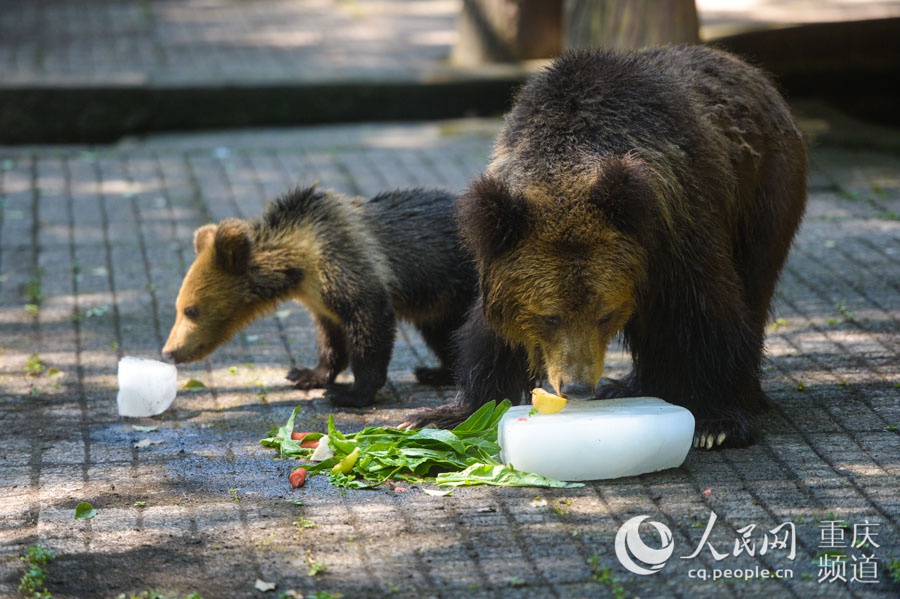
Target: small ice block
146	387
597	439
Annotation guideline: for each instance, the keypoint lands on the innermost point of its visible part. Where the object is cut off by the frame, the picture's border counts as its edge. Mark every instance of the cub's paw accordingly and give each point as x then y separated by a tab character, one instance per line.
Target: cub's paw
445	417
436	377
723	433
308	378
344	396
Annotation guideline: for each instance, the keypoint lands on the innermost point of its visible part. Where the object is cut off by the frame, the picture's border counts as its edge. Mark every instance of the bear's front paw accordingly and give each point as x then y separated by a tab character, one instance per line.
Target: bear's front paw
344	396
722	433
436	377
308	378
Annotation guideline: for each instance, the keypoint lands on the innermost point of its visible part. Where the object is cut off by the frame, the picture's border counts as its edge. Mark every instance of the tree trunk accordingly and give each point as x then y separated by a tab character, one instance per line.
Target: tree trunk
507	31
629	23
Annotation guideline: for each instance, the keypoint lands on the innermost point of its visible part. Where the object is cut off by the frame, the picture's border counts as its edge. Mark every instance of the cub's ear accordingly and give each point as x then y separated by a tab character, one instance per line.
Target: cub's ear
233	245
492	219
203	237
625	194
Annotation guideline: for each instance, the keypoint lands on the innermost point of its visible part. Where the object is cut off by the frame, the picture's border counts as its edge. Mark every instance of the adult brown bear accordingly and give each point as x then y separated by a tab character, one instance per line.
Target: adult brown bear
655	193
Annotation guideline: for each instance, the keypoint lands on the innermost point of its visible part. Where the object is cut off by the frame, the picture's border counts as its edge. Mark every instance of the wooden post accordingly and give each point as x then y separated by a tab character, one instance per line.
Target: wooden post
507	31
629	23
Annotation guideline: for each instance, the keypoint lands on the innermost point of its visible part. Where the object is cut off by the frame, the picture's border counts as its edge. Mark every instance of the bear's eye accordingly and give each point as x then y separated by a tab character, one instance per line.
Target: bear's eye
604	320
192	312
551	322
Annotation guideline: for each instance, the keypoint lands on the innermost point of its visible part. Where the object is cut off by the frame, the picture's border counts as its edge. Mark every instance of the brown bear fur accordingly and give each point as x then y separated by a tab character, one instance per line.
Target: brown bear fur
355	265
654	193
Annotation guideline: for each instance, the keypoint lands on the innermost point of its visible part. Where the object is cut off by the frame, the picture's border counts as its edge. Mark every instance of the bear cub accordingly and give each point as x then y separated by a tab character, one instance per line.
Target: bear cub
356	265
654	193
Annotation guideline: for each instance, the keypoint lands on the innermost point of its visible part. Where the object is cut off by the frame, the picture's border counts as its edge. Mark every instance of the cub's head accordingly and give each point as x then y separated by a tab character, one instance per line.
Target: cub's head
228	285
560	268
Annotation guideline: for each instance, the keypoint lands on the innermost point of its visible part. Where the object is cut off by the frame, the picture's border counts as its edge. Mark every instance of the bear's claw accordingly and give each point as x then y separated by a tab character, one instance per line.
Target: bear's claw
722	433
709	441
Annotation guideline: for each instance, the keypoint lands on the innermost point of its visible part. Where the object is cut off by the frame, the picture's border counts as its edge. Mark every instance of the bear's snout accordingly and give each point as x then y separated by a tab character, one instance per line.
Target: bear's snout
169	356
177	356
574	364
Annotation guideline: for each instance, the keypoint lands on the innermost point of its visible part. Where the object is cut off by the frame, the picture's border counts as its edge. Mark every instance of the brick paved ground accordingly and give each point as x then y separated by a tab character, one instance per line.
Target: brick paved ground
99	238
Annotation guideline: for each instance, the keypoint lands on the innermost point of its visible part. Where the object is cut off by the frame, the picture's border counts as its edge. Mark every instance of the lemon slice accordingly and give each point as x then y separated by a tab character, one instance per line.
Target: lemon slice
546	402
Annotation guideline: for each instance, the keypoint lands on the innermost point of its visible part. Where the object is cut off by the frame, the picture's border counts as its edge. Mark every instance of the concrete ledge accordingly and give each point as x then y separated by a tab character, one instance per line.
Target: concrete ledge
853	65
95	114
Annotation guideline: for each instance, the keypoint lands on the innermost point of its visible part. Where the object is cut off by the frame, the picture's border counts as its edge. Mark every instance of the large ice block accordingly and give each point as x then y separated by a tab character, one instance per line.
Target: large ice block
597	439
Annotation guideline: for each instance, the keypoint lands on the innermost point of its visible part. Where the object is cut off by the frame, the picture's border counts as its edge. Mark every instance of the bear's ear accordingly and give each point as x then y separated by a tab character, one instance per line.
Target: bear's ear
625	194
203	237
492	220
233	245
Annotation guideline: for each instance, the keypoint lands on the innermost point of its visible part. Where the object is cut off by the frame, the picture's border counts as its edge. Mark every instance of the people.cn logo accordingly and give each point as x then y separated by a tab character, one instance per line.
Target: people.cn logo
635	555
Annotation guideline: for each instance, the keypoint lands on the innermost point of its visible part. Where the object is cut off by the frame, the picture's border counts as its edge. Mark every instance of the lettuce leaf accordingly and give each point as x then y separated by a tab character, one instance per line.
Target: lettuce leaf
498	475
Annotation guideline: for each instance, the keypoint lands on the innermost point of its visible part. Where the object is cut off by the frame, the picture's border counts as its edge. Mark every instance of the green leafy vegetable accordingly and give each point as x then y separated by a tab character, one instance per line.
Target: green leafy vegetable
500	475
145	429
85	510
36	559
465	455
